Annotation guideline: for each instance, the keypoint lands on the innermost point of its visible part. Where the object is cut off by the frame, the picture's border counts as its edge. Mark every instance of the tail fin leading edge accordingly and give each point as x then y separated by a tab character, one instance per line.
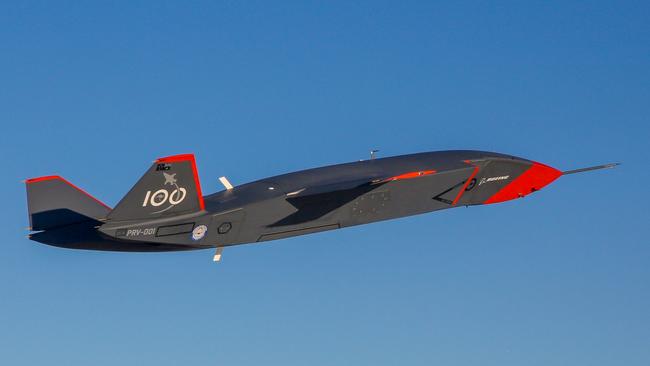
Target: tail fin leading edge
169	187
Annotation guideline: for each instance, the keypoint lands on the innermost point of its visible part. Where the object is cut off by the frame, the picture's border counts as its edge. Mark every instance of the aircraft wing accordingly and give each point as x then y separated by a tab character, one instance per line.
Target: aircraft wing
314	202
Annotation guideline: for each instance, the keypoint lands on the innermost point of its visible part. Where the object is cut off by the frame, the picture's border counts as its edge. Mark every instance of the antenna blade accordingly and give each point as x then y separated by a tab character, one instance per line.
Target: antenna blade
225	183
604	166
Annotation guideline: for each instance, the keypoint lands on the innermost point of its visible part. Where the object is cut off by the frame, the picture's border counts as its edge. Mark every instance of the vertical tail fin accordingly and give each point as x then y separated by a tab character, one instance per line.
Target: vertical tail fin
169	187
54	202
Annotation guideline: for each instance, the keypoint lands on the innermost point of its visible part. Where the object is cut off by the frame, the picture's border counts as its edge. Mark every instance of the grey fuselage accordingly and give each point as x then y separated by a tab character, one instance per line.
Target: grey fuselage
319	199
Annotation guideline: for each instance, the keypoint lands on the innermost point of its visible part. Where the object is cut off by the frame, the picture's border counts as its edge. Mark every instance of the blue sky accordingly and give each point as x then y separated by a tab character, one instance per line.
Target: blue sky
95	92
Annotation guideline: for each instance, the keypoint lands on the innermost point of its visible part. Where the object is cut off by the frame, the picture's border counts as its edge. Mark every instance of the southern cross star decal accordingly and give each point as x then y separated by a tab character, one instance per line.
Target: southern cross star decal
170	178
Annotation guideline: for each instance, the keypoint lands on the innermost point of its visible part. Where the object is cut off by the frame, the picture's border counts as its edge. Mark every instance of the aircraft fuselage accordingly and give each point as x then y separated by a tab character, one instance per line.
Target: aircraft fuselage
319	199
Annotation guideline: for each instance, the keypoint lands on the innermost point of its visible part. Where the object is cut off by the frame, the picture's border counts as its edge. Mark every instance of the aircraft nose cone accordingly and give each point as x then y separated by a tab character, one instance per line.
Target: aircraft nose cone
531	180
543	175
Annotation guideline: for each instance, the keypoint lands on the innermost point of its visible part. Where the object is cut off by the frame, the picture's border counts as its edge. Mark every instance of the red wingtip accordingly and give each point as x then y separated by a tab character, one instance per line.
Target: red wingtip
535	178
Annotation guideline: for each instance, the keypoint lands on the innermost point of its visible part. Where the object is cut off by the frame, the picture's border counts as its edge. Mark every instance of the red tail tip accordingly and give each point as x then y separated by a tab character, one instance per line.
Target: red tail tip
40	179
175	158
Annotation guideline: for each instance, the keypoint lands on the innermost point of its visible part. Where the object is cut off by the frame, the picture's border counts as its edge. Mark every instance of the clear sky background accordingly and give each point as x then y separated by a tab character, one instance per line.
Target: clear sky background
95	92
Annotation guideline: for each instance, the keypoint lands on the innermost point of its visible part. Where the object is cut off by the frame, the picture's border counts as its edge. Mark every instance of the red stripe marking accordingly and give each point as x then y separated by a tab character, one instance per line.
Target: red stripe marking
462	191
190	158
40	179
198	184
52	177
410	175
176	158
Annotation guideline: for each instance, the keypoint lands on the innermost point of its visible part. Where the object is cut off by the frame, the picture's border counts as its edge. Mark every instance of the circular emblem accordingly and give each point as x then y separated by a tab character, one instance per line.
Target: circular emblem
471	184
199	232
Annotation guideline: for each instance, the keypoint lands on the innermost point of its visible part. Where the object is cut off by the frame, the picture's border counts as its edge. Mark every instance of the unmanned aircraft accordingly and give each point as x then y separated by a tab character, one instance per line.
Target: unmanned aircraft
166	210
